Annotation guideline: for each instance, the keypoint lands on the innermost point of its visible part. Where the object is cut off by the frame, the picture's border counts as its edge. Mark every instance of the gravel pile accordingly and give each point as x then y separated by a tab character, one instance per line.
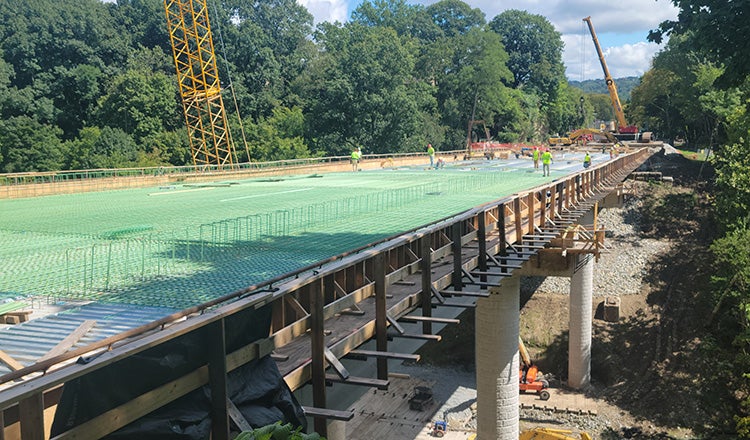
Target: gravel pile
619	271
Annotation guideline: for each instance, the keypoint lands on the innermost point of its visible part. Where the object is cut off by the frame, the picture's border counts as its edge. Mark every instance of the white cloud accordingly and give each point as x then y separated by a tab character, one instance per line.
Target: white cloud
621	27
582	61
327	10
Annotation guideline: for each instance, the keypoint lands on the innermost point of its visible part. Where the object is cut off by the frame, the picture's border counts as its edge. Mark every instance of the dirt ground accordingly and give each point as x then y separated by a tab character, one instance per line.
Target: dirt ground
653	372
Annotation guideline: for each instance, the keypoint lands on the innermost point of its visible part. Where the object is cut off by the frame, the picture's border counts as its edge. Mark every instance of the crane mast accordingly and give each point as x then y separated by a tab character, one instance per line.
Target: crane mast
198	79
622	126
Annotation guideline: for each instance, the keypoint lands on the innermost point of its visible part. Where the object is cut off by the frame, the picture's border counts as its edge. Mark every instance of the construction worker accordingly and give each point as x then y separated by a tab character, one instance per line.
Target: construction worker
535	155
355	159
587	160
431	153
546	161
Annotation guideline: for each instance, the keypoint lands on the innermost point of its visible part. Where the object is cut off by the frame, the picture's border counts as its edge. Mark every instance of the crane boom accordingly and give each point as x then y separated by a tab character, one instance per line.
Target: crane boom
623	126
198	80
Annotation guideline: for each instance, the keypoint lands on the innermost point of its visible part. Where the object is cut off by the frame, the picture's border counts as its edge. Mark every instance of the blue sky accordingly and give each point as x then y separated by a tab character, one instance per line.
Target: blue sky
621	26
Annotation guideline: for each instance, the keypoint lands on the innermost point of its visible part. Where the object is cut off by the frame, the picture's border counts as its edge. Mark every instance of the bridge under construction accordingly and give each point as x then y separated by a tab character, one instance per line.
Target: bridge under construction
317	263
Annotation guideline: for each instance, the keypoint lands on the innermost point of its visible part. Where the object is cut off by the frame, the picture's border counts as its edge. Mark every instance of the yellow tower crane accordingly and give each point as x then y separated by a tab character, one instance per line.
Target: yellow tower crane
198	78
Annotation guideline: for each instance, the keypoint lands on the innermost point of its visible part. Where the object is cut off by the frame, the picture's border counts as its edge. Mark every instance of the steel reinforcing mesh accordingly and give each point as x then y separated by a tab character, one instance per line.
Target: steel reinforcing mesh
181	245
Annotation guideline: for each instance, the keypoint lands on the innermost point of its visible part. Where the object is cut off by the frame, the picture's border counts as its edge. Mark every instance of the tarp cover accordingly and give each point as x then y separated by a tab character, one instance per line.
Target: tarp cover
257	388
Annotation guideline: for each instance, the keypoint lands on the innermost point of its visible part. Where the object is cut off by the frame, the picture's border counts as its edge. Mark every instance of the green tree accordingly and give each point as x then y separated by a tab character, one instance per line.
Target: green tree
362	92
102	148
472	82
27	145
405	19
455	17
534	51
278	137
714	28
140	104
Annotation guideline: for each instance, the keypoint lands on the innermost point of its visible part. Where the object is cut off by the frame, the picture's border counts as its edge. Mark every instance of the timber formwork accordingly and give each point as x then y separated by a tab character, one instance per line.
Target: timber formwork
325	312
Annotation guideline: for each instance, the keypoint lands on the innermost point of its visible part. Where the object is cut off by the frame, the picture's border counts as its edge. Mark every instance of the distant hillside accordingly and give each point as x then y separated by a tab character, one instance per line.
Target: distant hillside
624	86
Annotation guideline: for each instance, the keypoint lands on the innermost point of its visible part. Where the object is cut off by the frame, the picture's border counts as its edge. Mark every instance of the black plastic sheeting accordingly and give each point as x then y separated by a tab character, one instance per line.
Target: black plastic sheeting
257	388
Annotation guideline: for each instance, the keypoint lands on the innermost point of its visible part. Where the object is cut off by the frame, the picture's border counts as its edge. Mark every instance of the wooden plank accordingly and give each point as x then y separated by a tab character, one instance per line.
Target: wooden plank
449	304
69	340
418	336
467	293
328	413
31	411
386	354
497	274
237	418
299	311
9	361
362	381
335	363
394	323
417	318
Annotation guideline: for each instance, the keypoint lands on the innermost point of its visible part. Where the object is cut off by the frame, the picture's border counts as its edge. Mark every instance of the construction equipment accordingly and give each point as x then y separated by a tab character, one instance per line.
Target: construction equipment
528	373
622	126
198	80
593	135
439	428
560	140
551	434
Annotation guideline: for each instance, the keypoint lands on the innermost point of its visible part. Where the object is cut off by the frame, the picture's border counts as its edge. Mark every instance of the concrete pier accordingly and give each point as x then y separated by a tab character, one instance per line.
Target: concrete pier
579	342
497	328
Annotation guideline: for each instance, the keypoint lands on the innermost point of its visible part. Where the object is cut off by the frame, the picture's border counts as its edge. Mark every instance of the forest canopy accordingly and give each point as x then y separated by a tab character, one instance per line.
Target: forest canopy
89	84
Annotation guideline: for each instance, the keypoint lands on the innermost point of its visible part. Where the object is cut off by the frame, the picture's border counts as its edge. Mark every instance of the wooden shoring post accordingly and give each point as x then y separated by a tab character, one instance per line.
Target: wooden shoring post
544	207
457	257
217	374
517	219
278	315
559	189
31	415
381	320
482	242
317	348
570	194
2	424
531	205
502	229
426	267
552	202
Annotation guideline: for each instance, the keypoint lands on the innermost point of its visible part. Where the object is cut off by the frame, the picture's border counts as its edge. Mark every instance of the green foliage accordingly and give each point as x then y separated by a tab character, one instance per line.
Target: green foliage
27	145
95	80
277	431
535	51
455	17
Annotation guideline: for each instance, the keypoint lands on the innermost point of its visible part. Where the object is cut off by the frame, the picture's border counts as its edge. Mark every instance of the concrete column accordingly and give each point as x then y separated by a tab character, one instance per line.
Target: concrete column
579	343
497	362
336	430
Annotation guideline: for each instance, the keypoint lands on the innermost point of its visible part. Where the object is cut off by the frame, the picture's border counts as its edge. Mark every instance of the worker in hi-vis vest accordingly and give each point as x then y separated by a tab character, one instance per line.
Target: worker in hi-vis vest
535	156
546	160
355	159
